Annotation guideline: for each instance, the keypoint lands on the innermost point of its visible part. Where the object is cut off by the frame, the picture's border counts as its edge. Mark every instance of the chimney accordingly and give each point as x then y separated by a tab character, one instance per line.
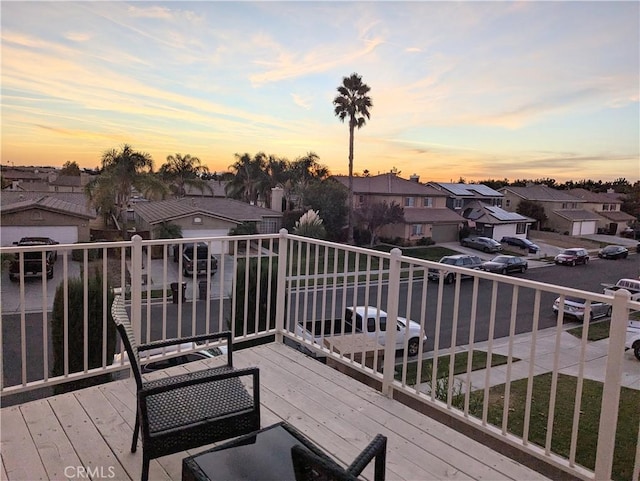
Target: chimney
277	194
415	178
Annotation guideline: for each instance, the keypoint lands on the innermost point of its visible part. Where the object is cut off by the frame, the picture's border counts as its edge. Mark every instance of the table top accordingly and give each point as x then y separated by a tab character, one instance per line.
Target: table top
264	455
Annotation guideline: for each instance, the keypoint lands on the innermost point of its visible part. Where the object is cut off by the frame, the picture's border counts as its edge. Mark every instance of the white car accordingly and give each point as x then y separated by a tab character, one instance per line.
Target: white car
633	338
576	307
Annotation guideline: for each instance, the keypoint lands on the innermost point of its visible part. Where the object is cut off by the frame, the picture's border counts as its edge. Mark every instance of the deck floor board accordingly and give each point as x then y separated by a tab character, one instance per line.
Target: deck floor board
93	427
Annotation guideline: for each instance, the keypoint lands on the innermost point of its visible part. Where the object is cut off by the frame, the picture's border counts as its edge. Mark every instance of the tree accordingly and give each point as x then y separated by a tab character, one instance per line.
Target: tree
70	168
180	171
328	197
532	209
250	180
123	170
352	103
167	230
376	216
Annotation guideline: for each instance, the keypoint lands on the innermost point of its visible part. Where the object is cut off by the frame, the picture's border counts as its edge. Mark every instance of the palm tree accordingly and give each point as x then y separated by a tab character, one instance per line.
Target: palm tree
122	171
353	103
180	171
250	180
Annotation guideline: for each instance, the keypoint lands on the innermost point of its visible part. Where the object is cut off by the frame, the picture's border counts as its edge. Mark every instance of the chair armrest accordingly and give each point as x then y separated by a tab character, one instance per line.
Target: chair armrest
216	375
203	337
376	449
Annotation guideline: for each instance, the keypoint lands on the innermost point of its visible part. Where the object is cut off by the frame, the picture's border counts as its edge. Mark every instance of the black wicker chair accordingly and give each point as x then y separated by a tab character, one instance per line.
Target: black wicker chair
310	466
188	410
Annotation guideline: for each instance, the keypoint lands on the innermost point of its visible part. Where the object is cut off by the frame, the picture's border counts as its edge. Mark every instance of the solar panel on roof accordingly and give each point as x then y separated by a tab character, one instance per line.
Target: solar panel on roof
502	214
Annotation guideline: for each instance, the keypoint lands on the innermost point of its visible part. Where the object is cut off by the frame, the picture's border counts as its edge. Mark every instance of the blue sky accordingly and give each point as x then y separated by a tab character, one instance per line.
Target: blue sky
460	89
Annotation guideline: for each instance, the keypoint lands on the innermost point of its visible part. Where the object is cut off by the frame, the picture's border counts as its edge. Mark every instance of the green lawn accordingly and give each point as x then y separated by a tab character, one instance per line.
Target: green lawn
627	429
597	331
478	361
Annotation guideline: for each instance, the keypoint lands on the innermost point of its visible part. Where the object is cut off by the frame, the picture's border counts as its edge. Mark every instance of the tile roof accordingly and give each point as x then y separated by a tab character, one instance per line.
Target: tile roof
599	197
51	204
577	215
617	216
389	184
435	216
9	196
67	181
542	193
229	209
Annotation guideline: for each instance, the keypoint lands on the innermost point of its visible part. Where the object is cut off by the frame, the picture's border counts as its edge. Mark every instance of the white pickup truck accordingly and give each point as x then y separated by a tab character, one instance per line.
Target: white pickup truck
366	319
633	338
631	285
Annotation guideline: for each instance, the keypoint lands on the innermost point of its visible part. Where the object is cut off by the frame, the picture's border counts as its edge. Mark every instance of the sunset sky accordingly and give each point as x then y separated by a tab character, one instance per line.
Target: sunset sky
467	89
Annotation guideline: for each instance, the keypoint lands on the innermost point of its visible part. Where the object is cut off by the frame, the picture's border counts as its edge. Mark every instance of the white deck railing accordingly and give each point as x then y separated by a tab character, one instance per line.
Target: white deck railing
276	285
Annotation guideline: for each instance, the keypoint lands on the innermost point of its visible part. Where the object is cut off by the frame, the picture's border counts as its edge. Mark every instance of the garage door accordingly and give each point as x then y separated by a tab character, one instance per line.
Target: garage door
62	234
588	227
216	247
444	233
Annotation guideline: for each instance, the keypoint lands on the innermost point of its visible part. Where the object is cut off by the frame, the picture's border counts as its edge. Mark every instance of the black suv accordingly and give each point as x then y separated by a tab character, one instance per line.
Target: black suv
202	253
32	261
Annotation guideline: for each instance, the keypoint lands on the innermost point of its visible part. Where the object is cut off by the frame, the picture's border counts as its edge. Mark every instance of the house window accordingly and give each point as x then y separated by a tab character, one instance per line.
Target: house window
416	229
507	202
270	225
36	215
521	228
457	203
197	220
361	198
428	202
409	201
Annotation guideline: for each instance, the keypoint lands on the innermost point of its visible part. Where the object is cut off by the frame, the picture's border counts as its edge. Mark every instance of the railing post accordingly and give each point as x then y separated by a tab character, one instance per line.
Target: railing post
136	286
612	382
281	285
393	295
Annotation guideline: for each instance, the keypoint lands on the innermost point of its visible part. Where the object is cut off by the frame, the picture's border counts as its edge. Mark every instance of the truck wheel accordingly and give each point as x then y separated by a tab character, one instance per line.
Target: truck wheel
448	279
412	348
636	350
50	274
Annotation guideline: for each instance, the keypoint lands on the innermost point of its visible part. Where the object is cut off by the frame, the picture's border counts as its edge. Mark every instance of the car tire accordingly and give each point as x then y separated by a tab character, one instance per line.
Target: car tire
636	350
523	269
448	279
573	263
504	271
609	310
50	274
486	249
413	347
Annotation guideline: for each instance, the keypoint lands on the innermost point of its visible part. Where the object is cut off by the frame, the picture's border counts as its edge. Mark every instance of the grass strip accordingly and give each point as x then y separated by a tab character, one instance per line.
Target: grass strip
627	429
597	330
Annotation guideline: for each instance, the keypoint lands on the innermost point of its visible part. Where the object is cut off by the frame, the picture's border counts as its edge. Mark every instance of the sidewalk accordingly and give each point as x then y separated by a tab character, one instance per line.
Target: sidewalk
569	360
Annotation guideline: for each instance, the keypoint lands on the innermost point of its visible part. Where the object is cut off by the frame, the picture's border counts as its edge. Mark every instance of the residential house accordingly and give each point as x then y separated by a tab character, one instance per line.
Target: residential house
204	216
565	213
425	210
495	222
37	214
459	196
607	205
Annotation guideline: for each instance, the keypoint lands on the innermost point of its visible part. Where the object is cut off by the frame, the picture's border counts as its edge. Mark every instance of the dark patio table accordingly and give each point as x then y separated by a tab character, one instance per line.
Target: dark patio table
264	455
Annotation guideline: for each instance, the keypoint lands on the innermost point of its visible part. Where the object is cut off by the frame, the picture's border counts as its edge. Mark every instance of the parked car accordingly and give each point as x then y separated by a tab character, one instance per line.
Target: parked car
633	338
167	362
459	260
613	252
575	307
505	264
486	244
32	261
572	257
189	252
522	243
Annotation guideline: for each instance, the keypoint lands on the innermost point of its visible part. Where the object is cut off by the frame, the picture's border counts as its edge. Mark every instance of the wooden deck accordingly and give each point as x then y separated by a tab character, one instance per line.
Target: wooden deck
55	438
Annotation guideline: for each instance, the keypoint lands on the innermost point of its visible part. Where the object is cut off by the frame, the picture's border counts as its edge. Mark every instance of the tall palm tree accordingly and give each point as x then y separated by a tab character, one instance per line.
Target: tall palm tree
353	103
180	171
122	171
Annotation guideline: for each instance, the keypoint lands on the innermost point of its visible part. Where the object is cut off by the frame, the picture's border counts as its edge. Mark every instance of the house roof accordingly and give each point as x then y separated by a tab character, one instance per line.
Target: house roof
432	216
10	197
155	212
577	215
468	190
51	204
616	216
489	214
542	193
595	197
67	181
389	184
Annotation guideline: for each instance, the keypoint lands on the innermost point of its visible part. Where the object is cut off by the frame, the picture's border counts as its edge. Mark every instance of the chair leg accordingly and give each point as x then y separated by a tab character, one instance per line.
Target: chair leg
145	468
136	430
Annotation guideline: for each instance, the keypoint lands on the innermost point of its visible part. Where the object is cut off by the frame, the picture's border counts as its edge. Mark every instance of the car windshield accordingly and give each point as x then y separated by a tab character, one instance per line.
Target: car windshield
570	252
501	259
449	261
